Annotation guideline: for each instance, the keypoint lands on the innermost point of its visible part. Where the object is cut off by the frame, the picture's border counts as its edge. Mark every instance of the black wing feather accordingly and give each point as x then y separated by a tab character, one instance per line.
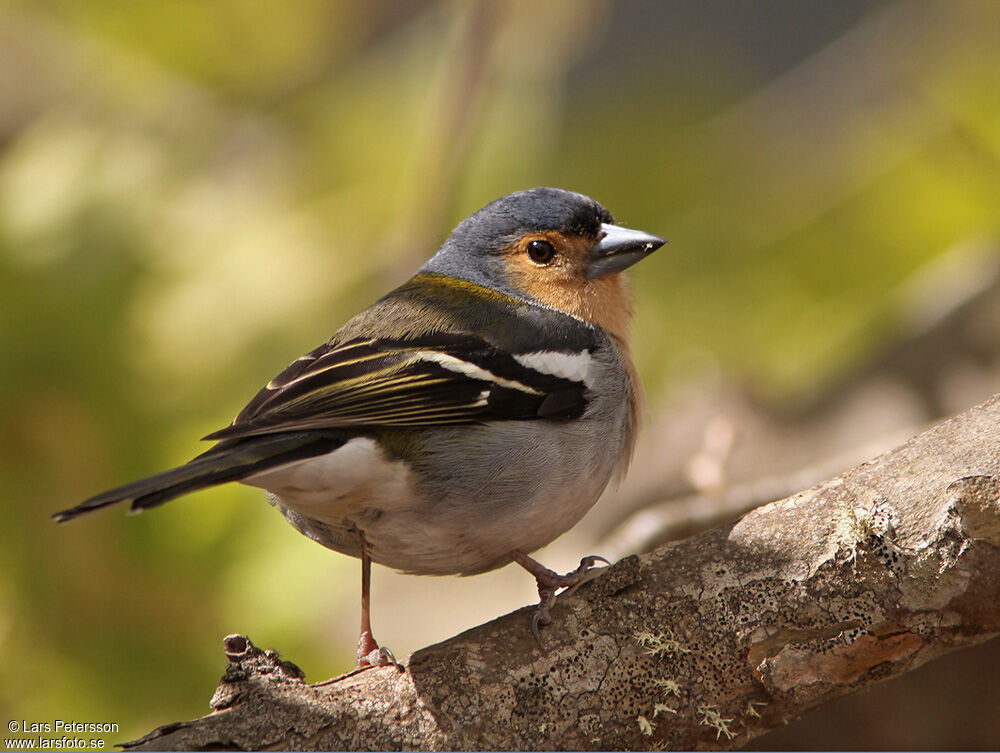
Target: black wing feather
432	380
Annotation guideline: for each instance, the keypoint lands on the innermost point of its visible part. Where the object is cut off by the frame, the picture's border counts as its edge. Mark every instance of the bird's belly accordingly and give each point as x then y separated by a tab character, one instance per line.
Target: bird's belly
353	478
516	486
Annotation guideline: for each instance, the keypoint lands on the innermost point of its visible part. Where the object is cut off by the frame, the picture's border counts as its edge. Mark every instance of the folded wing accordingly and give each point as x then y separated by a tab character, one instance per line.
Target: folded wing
433	380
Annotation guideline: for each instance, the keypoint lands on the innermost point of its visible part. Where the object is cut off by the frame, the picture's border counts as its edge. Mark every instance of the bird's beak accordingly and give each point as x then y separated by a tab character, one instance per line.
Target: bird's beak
619	248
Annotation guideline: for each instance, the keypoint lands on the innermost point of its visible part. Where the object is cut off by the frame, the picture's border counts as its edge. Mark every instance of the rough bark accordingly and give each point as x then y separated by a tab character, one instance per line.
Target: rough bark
702	644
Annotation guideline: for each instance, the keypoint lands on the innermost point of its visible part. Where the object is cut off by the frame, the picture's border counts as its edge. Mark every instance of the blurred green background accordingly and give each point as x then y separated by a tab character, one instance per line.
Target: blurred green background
194	193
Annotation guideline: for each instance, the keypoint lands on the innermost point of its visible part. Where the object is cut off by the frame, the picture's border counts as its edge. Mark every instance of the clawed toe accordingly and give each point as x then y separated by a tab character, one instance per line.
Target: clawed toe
370	654
585	572
550	581
540	617
379	657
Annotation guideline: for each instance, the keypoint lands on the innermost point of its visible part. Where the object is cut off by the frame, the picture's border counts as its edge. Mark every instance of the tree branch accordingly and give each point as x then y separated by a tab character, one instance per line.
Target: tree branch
681	516
702	644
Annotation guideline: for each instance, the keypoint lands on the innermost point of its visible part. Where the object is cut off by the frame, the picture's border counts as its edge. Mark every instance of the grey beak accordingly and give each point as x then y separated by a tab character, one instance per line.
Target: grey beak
618	249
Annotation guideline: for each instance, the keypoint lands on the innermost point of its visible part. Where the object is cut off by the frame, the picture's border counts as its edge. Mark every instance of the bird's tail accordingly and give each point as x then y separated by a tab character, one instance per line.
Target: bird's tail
230	460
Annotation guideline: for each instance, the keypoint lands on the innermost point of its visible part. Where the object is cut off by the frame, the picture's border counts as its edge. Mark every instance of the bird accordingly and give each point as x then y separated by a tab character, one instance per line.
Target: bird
464	420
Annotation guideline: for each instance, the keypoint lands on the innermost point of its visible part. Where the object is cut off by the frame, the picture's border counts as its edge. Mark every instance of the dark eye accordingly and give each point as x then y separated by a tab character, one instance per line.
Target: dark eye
540	252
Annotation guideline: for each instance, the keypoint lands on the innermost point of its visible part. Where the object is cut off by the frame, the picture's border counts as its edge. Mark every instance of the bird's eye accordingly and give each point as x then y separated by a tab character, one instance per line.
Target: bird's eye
540	252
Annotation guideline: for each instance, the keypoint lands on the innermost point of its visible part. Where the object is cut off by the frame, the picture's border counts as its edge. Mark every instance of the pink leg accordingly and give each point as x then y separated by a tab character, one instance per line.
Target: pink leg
369	652
549	582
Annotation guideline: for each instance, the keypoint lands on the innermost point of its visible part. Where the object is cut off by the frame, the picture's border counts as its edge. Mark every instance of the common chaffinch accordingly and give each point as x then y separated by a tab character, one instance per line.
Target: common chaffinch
467	418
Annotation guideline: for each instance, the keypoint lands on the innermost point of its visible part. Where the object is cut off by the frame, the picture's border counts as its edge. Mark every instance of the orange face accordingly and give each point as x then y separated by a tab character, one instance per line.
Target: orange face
552	267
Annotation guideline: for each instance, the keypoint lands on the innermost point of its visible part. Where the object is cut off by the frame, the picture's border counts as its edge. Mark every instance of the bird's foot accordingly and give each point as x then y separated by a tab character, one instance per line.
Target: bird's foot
370	654
550	581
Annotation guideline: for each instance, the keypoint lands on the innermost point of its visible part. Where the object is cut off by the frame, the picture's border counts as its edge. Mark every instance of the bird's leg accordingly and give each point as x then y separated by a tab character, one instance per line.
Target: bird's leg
370	654
549	582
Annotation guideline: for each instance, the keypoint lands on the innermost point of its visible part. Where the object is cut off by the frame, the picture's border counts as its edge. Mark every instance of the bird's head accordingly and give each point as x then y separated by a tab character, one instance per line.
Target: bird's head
556	247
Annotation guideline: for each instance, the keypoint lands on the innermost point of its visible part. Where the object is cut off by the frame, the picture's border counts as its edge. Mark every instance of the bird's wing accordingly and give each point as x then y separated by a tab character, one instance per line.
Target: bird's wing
432	380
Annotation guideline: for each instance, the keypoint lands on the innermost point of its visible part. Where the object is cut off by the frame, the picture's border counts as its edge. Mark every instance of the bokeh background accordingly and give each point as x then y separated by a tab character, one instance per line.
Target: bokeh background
194	193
